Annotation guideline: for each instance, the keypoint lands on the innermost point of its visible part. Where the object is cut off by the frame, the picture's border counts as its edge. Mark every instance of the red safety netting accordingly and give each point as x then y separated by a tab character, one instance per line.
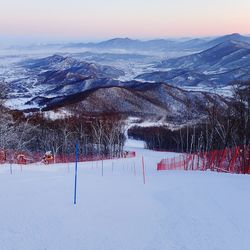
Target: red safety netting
233	160
23	158
129	154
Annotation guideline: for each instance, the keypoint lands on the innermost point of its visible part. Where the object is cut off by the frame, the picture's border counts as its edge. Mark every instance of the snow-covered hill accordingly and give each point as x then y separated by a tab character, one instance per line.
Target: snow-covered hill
36	81
219	66
136	99
193	78
220	58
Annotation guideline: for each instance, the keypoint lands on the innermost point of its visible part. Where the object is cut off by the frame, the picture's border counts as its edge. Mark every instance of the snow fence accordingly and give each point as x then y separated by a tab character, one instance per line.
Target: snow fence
10	156
229	160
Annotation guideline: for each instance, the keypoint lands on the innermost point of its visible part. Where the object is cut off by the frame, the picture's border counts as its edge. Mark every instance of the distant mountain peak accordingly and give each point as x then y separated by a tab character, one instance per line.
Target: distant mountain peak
230	37
55	57
227	55
234	35
233	43
119	41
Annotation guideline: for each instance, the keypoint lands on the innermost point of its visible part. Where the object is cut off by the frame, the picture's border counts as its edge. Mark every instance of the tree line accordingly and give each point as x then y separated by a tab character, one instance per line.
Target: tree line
102	135
222	127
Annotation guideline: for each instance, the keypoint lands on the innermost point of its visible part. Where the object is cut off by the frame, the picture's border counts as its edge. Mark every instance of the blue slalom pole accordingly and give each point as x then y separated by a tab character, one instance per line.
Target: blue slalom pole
76	168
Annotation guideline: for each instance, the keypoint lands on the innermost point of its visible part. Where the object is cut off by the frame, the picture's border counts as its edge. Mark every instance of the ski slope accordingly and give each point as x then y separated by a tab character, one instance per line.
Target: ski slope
174	210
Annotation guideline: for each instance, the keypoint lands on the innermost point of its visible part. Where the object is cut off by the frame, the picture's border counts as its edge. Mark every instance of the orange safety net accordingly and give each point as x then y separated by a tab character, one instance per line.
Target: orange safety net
229	160
11	156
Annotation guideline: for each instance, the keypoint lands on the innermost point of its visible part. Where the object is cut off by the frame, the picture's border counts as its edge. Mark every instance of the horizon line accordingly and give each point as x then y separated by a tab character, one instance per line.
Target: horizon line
50	39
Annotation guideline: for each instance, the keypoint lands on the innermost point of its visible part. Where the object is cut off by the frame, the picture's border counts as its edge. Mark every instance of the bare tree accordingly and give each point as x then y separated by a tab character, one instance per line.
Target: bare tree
3	94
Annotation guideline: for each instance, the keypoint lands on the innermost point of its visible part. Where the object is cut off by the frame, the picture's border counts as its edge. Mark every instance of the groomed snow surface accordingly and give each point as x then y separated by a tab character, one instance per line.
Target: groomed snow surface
174	210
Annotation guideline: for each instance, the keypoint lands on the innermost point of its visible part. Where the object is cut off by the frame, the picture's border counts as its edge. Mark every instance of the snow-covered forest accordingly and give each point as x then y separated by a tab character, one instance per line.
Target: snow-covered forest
221	128
102	136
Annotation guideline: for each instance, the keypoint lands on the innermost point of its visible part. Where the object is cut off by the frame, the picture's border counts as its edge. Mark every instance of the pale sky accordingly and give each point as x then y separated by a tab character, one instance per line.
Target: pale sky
101	19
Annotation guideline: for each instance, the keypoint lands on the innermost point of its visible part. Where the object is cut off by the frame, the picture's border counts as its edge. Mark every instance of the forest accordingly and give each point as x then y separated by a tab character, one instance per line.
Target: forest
104	135
221	128
33	132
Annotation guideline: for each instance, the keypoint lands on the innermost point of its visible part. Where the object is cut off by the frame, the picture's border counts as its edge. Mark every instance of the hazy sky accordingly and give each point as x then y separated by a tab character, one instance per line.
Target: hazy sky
99	19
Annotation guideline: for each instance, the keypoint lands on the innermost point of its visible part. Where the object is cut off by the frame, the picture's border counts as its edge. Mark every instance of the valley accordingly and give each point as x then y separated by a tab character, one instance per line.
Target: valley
153	80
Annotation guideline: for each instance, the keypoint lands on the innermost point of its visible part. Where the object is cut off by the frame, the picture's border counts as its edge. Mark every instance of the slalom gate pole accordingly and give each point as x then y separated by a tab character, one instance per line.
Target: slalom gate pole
76	170
11	169
143	170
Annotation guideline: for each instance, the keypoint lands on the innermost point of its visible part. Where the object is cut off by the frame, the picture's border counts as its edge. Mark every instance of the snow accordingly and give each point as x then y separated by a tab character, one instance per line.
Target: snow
147	123
174	210
13	73
134	144
57	114
19	103
226	91
135	121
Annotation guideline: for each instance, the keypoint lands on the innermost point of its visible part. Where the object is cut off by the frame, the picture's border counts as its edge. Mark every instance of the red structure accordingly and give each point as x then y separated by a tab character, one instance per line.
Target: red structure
2	156
48	158
21	159
129	154
233	160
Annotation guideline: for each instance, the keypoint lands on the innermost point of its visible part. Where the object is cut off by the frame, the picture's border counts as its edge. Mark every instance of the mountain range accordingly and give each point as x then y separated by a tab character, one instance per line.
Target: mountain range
224	56
54	74
60	81
70	65
160	44
136	99
220	65
64	82
187	77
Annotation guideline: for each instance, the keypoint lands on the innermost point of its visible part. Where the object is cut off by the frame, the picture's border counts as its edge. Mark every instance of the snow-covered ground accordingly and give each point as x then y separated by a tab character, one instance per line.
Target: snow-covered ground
174	210
226	91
